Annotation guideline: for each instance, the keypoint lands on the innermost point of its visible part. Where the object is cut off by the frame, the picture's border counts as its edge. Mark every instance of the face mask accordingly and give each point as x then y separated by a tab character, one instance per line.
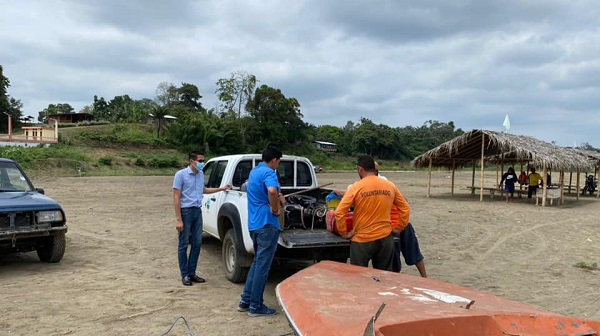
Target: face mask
200	165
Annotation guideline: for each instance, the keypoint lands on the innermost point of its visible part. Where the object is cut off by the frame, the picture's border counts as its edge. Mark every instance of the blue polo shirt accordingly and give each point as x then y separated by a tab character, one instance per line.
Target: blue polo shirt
259	214
191	186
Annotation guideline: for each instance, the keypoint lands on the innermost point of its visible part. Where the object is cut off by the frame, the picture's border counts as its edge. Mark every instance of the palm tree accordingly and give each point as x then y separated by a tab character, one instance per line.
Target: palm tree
159	113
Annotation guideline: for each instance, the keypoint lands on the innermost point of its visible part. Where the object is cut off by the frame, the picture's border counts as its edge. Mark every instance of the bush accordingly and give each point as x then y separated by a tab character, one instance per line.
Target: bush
105	160
54	155
163	162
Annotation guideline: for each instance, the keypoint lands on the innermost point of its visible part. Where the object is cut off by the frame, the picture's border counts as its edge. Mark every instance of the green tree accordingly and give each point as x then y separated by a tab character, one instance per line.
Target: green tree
278	118
89	109
235	92
100	109
8	105
141	110
201	130
189	97
166	94
120	108
60	108
159	113
15	109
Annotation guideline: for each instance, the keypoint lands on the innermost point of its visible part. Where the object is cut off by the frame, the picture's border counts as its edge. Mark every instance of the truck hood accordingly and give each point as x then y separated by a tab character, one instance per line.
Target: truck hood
26	201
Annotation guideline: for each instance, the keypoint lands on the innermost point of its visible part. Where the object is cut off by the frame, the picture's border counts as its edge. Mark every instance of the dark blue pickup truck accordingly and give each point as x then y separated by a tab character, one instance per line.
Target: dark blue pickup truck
29	220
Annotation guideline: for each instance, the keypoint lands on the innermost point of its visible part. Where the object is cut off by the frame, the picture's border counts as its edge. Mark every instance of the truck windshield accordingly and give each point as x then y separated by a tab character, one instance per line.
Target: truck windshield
12	179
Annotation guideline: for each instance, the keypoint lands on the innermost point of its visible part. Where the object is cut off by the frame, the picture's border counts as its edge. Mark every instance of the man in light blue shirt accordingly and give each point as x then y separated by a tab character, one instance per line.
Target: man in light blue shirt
188	189
264	209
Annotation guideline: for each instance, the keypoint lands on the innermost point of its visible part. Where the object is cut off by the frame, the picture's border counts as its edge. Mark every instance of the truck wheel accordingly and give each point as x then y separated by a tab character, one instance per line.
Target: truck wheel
52	249
234	272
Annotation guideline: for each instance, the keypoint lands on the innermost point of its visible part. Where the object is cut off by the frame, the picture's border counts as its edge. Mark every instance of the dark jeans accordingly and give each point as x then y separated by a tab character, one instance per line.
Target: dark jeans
192	227
380	252
264	241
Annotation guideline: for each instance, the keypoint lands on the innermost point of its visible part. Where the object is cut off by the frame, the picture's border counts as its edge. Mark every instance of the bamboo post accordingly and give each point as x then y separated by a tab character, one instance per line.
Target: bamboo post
501	172
544	185
453	168
577	184
520	185
560	185
570	181
429	181
473	179
482	166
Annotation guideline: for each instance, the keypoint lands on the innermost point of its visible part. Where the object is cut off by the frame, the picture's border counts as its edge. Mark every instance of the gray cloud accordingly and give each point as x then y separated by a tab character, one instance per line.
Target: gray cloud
395	62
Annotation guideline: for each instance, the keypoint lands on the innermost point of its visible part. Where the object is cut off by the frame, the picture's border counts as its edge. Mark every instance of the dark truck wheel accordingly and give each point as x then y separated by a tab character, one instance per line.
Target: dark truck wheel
234	272
52	249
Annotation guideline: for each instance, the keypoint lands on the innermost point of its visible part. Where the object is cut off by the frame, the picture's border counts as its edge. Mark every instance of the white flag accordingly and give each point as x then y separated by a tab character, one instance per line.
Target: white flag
506	123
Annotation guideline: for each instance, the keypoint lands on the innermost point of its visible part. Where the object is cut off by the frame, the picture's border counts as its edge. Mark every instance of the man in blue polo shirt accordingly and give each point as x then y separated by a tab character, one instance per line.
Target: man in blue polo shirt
264	208
188	189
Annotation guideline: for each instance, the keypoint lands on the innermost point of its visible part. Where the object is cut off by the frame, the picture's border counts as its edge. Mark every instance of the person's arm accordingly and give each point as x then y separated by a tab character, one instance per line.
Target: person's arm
502	179
177	207
403	209
274	200
340	215
214	190
272	185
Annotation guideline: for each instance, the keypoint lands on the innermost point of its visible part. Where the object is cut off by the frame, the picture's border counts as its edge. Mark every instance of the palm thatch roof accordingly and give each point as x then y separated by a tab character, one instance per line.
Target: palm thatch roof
590	154
501	147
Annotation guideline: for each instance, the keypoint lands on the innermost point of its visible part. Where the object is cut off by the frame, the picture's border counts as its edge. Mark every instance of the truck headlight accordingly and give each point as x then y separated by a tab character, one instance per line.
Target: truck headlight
49	216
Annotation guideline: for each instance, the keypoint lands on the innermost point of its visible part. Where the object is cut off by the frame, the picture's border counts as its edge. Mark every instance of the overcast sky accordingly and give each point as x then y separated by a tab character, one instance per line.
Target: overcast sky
395	62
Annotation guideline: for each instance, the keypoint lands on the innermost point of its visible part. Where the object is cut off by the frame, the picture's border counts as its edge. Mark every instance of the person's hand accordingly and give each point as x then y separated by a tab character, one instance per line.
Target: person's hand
348	235
179	226
396	231
282	199
339	192
227	187
277	212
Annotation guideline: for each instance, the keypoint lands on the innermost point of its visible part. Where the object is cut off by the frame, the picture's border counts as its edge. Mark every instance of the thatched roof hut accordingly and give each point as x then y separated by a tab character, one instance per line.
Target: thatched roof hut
496	147
486	146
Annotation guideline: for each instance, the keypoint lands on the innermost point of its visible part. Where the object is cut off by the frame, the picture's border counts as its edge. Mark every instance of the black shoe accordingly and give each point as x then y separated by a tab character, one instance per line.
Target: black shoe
262	311
196	278
186	281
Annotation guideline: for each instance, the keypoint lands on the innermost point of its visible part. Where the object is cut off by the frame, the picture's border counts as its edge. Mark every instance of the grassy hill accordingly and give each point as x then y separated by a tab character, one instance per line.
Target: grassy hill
112	149
130	149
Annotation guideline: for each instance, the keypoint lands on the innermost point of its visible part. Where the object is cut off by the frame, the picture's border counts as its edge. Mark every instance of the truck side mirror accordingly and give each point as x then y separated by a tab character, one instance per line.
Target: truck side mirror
40	190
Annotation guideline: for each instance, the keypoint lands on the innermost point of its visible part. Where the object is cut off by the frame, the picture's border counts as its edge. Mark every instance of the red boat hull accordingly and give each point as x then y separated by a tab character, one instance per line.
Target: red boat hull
332	298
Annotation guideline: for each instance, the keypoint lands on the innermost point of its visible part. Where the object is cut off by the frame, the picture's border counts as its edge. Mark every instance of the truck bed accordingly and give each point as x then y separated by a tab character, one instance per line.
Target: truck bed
299	238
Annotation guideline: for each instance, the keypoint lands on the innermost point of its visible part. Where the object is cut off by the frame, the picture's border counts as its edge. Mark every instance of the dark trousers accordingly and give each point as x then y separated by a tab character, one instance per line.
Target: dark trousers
531	190
380	252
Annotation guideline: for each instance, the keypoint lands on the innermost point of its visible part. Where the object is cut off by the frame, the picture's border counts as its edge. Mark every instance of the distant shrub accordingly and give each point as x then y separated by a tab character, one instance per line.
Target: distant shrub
32	157
105	160
163	162
84	123
139	162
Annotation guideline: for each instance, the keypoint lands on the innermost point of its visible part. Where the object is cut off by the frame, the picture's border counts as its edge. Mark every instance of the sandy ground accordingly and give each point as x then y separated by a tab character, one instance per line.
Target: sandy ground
120	277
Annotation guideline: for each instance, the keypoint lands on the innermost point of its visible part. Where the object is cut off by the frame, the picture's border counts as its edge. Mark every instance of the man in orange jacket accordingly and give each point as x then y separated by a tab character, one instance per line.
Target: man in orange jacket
372	198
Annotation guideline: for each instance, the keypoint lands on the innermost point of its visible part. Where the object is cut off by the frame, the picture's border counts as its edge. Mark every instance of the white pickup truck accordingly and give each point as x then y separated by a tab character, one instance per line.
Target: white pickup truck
304	234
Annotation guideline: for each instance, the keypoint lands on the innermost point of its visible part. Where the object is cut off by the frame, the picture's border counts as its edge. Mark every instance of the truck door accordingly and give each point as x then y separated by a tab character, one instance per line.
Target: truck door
213	178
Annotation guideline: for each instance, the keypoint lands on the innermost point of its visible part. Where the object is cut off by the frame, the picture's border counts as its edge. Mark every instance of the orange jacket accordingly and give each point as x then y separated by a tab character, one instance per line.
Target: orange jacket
372	198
